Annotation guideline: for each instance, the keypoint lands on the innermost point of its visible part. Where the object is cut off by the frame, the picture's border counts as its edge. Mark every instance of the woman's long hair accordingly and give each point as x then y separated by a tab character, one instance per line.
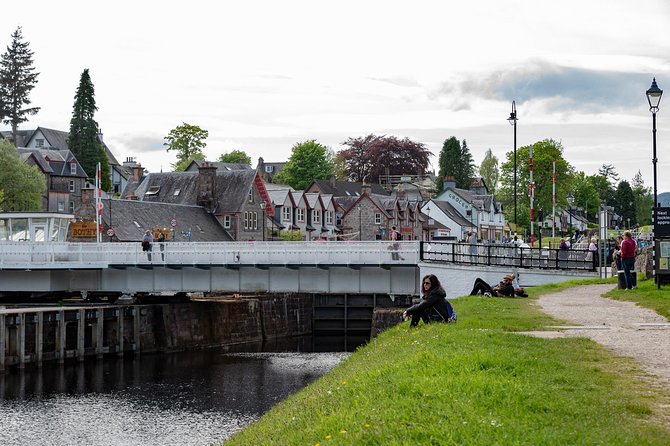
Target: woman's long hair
434	283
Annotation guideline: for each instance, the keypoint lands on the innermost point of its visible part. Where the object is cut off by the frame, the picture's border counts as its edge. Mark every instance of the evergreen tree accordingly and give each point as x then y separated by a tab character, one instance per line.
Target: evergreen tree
83	140
643	199
17	79
625	201
455	161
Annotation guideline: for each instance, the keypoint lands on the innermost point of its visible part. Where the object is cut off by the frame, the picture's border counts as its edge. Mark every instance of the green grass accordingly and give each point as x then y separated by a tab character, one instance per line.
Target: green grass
476	383
646	295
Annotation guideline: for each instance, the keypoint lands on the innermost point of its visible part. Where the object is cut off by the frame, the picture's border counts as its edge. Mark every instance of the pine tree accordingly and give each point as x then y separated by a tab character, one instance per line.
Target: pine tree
83	141
17	79
456	161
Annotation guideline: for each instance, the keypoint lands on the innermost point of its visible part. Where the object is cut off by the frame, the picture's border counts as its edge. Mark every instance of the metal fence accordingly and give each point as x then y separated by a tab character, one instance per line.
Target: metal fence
508	255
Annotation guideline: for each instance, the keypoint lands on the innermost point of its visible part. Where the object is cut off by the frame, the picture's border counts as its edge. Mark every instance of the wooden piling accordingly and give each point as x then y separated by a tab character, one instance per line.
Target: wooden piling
3	336
39	338
136	330
99	332
21	341
81	334
120	312
60	337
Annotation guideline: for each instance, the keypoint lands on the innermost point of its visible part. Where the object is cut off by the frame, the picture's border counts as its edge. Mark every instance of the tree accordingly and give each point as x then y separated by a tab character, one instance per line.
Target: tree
188	141
603	187
309	161
17	79
370	157
455	161
236	156
488	170
83	140
21	185
609	171
544	152
625	201
586	196
644	201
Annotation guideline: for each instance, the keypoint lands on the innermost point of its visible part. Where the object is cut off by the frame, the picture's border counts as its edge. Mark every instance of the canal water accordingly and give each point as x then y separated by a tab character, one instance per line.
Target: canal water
188	398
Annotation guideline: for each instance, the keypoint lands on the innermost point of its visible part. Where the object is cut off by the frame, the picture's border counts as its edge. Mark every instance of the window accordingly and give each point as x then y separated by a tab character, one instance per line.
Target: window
72	186
73	168
286	213
226	221
269	169
255	220
329	217
378	218
338	219
61	206
153	190
300	214
251	196
316	216
246	220
176	192
39	143
71	206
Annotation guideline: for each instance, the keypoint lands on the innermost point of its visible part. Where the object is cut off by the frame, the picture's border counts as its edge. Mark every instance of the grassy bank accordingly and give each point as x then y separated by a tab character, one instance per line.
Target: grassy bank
476	383
646	295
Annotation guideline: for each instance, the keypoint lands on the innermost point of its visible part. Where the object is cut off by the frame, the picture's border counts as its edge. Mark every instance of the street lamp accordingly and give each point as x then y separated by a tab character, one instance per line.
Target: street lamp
512	120
654	97
263	204
571	200
428	215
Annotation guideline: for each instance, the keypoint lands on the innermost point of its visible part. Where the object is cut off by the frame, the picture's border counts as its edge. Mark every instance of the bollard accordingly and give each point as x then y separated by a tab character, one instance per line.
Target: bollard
621	280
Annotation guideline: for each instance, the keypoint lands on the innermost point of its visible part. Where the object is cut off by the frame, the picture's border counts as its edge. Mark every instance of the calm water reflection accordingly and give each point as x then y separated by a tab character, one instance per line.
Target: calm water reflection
193	398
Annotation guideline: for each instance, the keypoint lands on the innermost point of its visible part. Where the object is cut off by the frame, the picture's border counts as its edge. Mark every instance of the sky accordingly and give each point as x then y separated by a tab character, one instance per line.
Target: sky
261	76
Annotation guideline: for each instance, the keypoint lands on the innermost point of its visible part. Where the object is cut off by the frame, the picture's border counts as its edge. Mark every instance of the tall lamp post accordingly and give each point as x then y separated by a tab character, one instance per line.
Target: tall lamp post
428	222
654	97
263	204
512	120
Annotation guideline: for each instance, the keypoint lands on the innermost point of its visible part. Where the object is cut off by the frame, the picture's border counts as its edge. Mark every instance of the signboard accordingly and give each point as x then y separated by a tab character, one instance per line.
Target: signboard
662	223
173	222
110	232
83	229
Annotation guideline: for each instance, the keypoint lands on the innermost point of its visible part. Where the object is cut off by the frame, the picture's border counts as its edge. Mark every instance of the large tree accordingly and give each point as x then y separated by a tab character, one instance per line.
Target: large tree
21	185
188	141
236	156
309	161
370	157
625	201
544	152
455	161
17	79
586	196
609	171
603	187
83	140
489	171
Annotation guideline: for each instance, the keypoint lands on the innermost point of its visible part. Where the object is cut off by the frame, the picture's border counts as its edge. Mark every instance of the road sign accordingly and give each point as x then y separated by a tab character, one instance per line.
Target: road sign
100	206
173	222
110	232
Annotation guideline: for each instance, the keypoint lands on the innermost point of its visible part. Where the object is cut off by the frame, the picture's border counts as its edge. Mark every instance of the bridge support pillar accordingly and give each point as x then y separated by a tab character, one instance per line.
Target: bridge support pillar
99	332
21	341
39	338
3	336
136	330
119	329
81	334
60	338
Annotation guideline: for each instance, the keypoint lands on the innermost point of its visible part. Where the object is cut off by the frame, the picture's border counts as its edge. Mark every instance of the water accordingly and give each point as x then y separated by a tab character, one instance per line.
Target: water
192	398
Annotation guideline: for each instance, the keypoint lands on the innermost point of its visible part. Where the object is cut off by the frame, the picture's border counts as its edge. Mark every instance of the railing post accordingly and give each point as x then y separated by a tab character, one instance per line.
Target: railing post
488	256
421	250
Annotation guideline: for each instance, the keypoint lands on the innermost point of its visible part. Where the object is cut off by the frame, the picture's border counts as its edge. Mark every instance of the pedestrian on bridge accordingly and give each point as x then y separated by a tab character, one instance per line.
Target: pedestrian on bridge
147	240
434	306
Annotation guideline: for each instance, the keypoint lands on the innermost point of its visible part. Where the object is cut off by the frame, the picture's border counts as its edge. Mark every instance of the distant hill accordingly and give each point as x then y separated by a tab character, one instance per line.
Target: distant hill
664	199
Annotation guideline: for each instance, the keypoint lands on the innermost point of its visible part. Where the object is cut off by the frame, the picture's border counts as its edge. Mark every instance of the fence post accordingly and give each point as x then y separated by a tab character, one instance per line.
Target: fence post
421	250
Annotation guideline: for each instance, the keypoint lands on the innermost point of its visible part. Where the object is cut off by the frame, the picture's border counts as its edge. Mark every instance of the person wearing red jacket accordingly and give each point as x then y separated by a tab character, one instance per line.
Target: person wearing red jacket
628	247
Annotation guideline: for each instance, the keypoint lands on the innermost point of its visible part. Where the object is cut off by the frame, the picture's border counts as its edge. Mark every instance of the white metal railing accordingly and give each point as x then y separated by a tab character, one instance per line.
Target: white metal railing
65	255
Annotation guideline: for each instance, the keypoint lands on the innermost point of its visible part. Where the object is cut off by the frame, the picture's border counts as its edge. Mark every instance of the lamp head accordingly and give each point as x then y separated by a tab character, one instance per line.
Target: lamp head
512	116
654	96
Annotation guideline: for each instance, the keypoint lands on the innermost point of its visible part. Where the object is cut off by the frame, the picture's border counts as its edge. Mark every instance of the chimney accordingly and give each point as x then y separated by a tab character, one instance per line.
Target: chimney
333	181
138	172
449	183
129	162
366	189
87	194
206	184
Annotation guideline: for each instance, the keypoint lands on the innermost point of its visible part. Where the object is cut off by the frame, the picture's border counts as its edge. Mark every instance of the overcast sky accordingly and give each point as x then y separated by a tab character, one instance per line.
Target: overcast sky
261	76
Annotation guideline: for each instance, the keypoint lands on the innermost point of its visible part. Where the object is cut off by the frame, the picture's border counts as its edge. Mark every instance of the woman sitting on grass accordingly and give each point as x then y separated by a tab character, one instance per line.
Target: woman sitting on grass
503	289
434	306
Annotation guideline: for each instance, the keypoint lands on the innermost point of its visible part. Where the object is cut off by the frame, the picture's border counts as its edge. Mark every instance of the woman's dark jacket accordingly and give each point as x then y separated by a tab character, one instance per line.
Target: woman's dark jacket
434	306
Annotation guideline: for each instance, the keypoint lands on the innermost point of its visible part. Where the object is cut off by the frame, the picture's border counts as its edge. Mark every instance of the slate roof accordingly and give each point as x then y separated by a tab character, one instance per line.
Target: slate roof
125	213
344	188
195	164
54	162
21	136
232	188
452	213
58	139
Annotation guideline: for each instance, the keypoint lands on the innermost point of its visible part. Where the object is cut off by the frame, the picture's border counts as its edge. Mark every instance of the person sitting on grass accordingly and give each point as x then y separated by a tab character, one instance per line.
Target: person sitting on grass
503	289
518	289
434	306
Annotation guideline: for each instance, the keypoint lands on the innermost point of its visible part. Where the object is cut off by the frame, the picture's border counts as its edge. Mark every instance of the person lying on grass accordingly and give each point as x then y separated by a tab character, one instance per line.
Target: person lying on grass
434	306
504	288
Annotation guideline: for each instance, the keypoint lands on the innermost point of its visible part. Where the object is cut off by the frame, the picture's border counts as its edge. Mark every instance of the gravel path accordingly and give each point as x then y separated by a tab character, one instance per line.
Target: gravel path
622	327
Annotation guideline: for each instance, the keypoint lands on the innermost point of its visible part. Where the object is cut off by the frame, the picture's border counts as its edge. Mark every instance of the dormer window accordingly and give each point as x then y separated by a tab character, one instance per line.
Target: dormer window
153	190
269	169
73	168
39	143
176	192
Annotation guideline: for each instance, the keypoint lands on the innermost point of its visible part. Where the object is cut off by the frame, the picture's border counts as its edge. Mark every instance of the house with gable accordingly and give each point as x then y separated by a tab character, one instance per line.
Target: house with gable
237	198
364	217
338	188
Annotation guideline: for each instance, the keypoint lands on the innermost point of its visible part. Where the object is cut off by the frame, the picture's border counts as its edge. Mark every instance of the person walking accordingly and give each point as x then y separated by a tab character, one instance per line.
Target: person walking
147	240
395	246
472	239
628	248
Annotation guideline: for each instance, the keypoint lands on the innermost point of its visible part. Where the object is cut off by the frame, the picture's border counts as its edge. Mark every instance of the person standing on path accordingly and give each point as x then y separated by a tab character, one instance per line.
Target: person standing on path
628	258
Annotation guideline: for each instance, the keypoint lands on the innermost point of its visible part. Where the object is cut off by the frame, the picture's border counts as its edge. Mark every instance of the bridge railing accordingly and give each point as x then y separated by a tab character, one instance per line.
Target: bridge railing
102	255
509	255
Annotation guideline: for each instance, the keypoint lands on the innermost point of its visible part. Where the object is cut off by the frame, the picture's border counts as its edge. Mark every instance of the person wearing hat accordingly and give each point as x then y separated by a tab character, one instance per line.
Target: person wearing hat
504	288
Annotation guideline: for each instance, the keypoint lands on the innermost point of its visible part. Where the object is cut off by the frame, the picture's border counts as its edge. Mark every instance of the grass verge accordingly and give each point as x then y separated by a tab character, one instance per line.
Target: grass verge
475	382
646	295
